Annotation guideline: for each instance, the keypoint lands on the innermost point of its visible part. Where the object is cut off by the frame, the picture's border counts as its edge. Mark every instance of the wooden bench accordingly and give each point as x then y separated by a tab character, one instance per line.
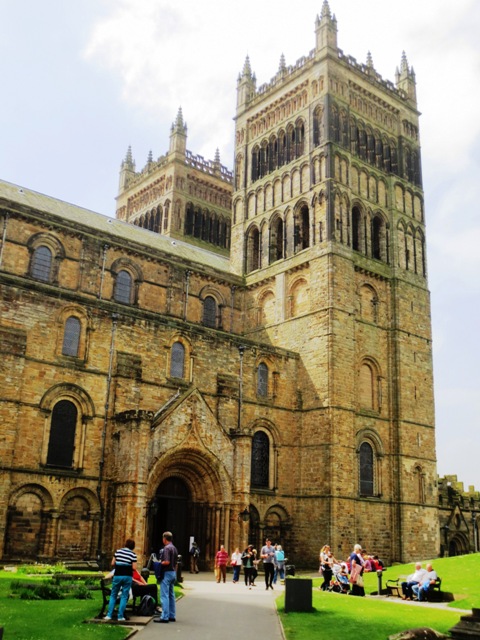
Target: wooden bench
106	591
434	594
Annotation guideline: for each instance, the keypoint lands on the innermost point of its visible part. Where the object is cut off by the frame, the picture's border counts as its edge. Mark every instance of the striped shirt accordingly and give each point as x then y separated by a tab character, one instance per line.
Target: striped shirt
124	559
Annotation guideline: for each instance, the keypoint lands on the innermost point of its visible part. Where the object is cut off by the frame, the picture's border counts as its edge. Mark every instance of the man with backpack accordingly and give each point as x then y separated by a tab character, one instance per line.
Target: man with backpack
194	553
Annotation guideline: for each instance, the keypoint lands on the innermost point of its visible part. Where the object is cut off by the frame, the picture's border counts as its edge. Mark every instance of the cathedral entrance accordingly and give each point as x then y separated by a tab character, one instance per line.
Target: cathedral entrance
169	511
189	491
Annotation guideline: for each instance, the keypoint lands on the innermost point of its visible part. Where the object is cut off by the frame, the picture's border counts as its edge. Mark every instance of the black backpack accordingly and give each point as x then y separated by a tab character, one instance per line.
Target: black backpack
158	567
147	606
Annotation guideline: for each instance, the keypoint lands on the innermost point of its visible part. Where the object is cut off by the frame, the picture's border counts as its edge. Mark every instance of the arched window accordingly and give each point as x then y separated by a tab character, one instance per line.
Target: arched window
210	312
262	380
42	264
189	214
62	434
299	139
377	231
334	124
123	287
362	142
71	336
356	229
420	482
366	469
260	464
368	303
302	229
276	240
366	387
255	164
317	126
282	149
253	249
177	360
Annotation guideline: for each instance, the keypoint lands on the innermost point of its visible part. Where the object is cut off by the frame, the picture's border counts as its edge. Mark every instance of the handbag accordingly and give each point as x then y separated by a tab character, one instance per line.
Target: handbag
359	582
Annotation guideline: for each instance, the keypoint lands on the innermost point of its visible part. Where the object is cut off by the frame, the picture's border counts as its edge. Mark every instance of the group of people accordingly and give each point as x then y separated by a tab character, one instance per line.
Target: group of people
272	556
418	583
125	577
349	572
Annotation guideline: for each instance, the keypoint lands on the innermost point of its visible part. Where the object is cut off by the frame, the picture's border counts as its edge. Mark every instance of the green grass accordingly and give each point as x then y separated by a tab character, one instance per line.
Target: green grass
341	616
51	619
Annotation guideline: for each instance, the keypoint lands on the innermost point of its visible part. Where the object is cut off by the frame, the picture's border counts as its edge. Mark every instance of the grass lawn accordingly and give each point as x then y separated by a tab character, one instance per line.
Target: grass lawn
52	619
341	616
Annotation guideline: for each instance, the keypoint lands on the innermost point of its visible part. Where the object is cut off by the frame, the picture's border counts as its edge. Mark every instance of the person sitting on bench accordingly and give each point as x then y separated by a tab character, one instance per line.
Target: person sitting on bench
428	581
411	581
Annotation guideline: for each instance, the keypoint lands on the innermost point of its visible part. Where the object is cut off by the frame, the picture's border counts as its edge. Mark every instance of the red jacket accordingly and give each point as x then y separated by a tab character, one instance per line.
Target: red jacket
221	558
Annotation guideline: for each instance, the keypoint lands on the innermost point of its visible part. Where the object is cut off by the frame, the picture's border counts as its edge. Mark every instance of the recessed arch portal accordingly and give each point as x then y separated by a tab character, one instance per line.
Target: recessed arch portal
190	496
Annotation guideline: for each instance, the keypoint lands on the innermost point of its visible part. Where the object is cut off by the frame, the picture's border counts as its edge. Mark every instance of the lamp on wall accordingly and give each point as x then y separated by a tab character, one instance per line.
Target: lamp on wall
244	515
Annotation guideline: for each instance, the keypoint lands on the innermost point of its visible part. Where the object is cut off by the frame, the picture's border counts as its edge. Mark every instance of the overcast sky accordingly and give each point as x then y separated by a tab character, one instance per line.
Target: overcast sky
82	80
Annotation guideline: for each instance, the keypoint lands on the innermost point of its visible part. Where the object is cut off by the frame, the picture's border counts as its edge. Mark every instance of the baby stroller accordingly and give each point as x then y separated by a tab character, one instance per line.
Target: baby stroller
339	582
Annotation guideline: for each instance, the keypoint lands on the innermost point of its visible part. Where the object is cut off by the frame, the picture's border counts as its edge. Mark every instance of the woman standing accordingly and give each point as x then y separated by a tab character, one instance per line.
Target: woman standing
248	558
356	571
236	562
326	565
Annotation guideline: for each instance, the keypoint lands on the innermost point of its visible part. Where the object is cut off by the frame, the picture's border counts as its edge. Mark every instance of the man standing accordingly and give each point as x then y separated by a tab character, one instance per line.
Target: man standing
268	556
415	578
167	594
221	559
194	553
124	562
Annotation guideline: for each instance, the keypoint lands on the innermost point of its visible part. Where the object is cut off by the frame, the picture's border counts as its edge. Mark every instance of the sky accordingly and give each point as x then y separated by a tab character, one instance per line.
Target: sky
82	80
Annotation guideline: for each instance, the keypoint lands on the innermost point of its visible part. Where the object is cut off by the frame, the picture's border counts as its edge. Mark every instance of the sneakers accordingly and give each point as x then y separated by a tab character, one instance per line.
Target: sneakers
106	618
122	620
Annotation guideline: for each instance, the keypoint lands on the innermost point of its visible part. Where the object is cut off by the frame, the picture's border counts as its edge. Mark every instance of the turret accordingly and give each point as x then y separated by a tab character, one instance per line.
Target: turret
282	67
178	135
217	165
405	79
326	31
246	84
127	171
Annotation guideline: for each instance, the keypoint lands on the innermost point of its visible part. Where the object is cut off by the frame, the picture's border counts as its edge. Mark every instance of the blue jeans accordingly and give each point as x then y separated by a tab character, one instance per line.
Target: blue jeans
421	590
279	571
236	572
125	582
167	595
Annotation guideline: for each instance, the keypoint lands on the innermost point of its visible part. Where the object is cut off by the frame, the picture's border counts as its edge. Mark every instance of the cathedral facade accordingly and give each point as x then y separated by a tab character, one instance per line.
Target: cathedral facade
233	356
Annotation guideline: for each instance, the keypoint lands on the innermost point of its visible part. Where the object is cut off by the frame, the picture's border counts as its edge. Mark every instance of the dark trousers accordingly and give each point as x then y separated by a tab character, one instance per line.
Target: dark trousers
327	577
407	588
248	571
269	571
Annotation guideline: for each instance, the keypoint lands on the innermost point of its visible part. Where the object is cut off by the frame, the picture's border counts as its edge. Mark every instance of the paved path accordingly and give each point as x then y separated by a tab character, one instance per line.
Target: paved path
211	611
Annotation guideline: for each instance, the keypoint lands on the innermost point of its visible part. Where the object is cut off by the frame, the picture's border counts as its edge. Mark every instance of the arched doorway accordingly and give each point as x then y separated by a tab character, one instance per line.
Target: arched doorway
169	512
192	499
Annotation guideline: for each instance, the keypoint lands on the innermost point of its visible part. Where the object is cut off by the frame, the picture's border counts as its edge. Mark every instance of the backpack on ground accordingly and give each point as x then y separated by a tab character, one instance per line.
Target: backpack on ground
147	606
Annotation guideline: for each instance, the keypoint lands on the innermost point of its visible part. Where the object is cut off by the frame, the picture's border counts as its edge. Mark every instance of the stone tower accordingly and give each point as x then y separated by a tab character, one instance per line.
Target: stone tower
328	228
179	194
